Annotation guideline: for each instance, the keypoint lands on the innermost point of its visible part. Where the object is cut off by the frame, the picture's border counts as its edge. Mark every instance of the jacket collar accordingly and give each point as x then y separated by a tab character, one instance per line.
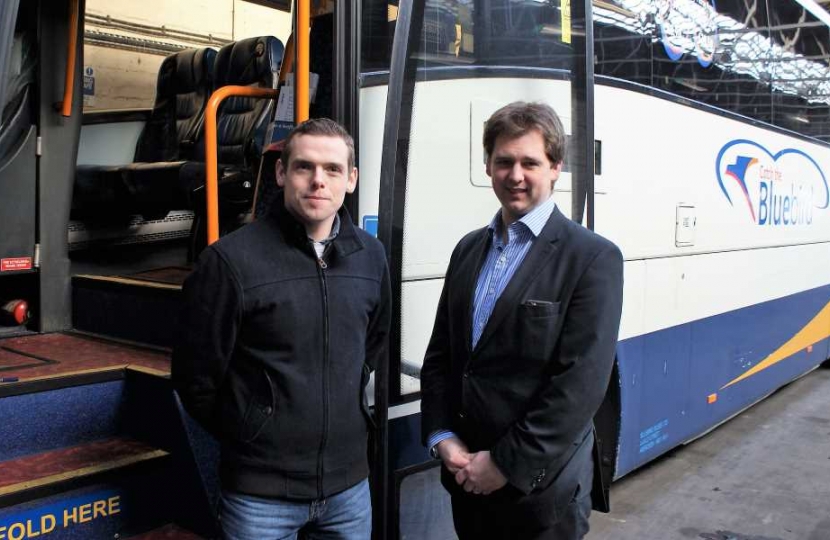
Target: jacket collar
346	242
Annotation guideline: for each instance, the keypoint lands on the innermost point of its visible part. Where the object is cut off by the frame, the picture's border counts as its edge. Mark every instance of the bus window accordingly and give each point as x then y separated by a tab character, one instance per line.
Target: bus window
622	42
377	31
730	54
710	54
523	33
526	33
125	42
800	74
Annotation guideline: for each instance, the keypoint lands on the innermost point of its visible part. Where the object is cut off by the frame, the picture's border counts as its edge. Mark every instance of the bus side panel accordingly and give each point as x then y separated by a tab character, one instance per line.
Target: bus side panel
723	348
749	279
745	187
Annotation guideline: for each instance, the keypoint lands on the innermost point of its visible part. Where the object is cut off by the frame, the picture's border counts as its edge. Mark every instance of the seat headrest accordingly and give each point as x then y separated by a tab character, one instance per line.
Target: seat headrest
187	71
249	61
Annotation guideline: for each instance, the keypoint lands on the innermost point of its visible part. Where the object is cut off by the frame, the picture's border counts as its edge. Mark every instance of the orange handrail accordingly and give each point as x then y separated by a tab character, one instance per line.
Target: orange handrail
211	151
71	54
301	70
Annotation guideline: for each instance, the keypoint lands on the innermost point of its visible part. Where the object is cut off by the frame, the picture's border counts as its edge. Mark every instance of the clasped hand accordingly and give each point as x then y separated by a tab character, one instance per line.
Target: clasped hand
475	472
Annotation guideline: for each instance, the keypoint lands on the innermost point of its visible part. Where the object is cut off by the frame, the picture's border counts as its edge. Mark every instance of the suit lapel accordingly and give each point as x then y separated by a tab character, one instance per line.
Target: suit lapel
543	252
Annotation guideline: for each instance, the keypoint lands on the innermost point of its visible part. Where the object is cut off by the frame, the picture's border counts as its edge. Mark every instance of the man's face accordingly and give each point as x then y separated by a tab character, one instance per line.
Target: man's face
316	181
521	174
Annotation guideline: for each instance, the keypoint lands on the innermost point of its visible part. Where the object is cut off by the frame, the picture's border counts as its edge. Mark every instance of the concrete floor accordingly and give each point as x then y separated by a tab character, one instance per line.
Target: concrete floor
764	475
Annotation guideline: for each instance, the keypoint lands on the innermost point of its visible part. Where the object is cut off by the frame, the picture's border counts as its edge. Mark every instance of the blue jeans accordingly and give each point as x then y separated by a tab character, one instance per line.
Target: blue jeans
344	516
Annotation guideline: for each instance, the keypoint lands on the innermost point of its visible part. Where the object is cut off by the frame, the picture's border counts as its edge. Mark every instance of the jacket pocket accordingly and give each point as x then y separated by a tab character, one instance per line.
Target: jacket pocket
538	321
259	411
539	309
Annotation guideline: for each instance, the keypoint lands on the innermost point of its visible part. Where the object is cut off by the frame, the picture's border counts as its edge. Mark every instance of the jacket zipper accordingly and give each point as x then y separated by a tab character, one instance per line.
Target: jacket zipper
323	266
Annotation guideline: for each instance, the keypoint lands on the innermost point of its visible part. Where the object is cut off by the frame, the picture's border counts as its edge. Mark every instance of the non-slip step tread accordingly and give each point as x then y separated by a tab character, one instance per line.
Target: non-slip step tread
47	356
131	281
166	277
173	275
167	532
64	464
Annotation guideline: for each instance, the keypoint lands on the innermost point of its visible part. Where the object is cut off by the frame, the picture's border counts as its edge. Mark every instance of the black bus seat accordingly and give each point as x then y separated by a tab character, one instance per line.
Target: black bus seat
241	126
242	121
155	188
169	139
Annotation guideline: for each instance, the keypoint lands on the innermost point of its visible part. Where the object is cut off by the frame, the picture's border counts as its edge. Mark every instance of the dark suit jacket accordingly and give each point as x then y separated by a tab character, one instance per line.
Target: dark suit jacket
530	388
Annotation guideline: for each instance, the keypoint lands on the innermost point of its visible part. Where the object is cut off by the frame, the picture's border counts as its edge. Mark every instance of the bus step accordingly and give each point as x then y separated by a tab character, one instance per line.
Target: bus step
167	532
50	362
45	473
142	307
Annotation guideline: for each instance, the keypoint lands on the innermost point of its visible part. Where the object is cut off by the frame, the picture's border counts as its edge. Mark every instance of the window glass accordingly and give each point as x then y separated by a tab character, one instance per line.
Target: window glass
800	71
739	82
125	41
377	32
623	42
770	66
501	33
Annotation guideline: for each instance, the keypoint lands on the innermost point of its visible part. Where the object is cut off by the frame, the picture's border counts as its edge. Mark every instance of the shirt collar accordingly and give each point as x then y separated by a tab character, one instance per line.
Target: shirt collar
534	220
335	230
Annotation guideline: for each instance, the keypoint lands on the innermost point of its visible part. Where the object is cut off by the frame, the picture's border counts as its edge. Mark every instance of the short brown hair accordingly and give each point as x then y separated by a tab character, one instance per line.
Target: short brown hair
519	118
320	127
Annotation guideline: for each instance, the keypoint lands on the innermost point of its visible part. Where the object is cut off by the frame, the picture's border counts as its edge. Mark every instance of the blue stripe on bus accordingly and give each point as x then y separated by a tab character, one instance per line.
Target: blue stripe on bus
668	376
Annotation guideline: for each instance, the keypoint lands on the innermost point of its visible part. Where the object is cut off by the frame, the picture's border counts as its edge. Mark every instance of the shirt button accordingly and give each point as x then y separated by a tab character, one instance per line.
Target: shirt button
462	416
267	410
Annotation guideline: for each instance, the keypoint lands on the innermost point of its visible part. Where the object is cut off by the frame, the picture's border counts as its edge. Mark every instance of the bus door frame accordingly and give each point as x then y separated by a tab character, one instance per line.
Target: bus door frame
391	208
583	164
346	93
346	111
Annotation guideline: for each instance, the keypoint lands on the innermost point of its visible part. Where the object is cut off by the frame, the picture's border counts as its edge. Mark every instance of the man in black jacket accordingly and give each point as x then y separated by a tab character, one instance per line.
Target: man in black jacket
284	319
522	348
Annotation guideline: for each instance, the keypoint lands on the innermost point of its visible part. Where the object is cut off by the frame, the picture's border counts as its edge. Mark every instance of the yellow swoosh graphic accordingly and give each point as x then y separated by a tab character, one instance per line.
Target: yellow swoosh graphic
815	331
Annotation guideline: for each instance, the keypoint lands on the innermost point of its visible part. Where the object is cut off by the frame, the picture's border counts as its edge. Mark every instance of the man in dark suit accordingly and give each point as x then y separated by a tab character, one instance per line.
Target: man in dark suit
523	347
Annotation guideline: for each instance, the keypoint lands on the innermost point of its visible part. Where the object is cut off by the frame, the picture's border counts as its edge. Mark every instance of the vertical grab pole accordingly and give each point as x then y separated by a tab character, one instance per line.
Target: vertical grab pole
212	165
71	55
301	73
211	149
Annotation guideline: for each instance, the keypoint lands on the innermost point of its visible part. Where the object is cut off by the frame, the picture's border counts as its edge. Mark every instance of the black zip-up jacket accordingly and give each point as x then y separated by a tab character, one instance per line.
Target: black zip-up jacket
275	351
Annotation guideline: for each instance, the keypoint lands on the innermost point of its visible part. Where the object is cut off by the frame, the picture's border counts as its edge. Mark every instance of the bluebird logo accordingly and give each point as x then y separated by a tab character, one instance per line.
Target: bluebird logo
777	189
